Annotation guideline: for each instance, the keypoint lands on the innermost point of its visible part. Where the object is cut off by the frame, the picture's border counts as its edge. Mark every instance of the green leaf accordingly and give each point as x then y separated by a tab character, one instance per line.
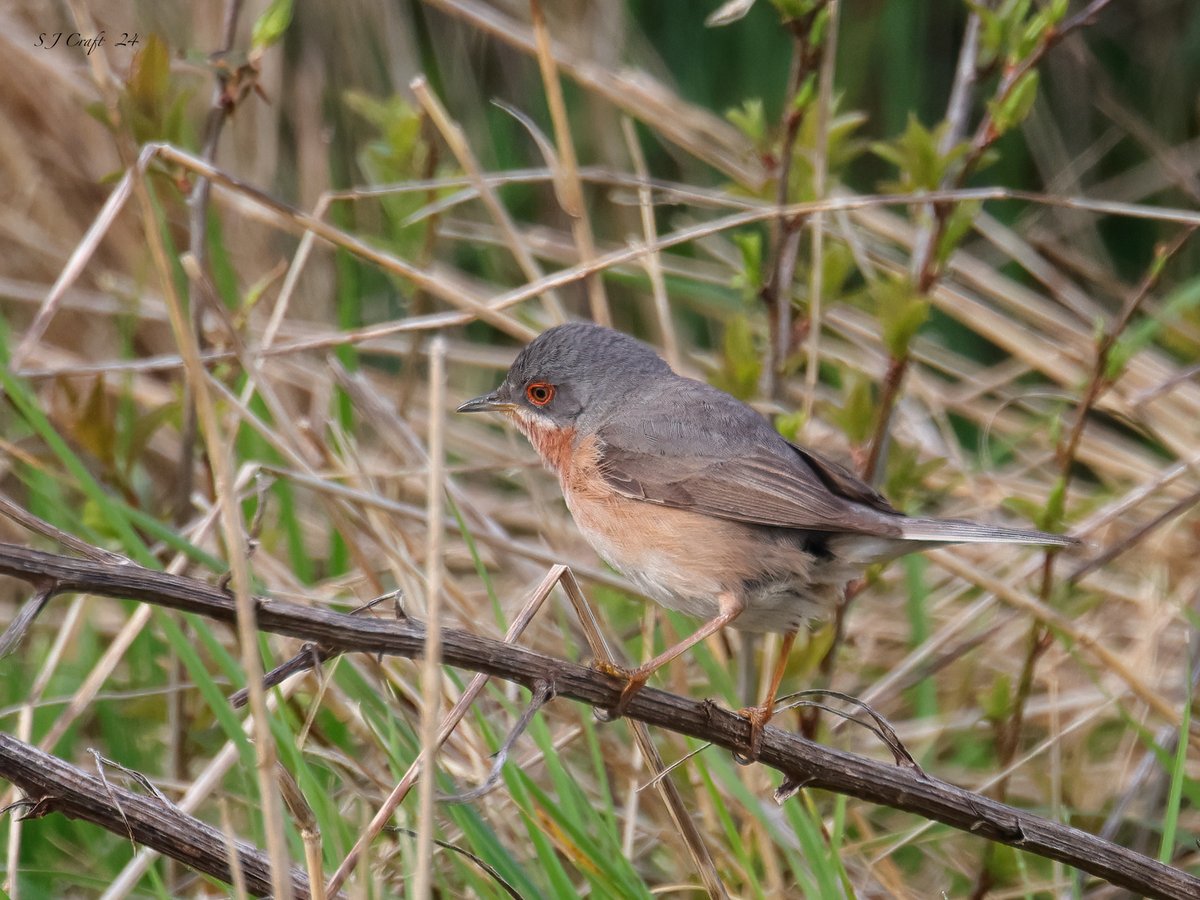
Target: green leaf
790	10
958	224
1054	430
1003	864
1035	31
98	111
920	153
991	34
906	474
805	92
900	328
94	426
857	413
790	424
1015	106
1024	507
820	26
997	704
1118	358
149	76
1184	300
1010	33
901	314
749	278
741	364
751	120
915	154
1051	518
842	146
271	25
838	265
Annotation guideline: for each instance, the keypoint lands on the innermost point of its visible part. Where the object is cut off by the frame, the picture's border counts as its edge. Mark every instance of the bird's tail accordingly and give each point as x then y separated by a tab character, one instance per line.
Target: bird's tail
961	531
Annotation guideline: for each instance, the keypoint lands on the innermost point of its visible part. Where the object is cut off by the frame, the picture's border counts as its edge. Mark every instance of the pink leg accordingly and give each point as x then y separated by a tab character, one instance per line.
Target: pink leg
730	608
759	716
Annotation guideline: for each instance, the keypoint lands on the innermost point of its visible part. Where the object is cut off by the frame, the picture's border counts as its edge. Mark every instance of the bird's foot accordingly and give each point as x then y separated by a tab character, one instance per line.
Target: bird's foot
758	717
635	680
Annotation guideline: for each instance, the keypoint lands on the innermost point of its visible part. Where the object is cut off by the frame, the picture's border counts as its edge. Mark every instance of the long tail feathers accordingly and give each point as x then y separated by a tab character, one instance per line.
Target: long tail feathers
961	531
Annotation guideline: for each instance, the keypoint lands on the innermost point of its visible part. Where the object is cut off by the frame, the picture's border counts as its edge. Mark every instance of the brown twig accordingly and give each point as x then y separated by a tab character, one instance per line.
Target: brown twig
780	264
925	265
567	184
691	127
232	530
820	162
435	575
221	108
802	761
927	270
54	786
985	132
1041	637
1133	538
494	310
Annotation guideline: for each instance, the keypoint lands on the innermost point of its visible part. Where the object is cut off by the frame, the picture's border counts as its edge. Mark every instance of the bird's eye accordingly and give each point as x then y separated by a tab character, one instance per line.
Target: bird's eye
540	393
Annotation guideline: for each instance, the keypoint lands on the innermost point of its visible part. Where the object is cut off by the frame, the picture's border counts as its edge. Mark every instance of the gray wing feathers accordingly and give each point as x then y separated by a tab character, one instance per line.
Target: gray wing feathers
725	460
961	531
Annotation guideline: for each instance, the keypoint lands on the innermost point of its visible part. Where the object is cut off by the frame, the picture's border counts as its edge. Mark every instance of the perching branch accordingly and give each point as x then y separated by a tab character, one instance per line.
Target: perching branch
54	786
802	762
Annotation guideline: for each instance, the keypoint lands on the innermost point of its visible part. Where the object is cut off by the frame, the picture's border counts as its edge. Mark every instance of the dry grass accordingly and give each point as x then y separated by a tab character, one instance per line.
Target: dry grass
318	367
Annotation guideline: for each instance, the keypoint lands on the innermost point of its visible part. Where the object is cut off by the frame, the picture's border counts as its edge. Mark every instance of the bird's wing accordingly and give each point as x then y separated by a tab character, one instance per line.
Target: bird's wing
722	459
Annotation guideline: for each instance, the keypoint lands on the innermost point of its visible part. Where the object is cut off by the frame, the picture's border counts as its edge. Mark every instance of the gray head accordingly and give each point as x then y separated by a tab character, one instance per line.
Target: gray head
574	373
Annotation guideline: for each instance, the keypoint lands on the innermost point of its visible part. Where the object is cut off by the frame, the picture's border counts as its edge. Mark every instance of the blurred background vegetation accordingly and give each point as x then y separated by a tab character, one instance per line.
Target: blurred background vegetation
1030	359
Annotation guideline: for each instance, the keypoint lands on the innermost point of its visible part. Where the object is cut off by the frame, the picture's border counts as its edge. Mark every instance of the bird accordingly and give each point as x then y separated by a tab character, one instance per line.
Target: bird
696	498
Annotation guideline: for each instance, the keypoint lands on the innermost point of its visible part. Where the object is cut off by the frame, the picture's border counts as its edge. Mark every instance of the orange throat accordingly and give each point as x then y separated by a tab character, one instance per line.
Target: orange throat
554	445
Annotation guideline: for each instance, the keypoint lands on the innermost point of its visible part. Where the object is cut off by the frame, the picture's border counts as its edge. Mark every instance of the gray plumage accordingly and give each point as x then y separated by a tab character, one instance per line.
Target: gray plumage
722	459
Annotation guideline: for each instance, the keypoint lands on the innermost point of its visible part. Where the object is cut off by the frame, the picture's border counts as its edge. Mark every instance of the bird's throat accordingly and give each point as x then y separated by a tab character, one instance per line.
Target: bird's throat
554	445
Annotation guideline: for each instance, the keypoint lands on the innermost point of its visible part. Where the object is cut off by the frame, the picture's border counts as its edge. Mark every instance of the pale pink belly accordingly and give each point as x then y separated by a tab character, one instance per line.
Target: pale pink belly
685	561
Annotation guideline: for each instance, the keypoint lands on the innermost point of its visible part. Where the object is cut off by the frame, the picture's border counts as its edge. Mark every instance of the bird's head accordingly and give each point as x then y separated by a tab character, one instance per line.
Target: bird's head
573	377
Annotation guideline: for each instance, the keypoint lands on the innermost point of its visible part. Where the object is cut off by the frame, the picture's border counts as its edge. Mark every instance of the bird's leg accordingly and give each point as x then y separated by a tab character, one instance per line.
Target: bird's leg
730	607
759	716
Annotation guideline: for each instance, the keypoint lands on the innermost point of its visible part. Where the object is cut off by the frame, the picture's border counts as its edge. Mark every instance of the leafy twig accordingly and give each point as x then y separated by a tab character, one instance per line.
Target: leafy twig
1105	370
780	264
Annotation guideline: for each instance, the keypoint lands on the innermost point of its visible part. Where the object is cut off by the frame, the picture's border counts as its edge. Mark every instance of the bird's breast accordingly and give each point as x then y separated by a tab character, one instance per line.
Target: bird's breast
555	445
683	559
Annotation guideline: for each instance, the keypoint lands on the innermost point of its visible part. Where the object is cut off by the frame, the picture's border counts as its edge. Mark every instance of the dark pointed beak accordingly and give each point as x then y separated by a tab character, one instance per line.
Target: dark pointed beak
487	403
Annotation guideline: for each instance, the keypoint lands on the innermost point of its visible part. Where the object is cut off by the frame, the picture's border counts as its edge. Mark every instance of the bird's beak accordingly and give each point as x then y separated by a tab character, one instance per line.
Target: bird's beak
487	403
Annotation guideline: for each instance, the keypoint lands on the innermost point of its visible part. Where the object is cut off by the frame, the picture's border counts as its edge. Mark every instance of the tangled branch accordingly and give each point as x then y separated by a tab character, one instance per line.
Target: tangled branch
802	762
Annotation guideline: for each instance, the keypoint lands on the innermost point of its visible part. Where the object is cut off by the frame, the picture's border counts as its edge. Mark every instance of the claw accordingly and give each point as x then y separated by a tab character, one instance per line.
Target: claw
635	680
758	717
609	668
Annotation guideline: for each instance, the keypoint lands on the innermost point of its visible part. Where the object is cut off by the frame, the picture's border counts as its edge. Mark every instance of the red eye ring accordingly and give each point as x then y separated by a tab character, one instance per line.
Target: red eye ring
540	393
